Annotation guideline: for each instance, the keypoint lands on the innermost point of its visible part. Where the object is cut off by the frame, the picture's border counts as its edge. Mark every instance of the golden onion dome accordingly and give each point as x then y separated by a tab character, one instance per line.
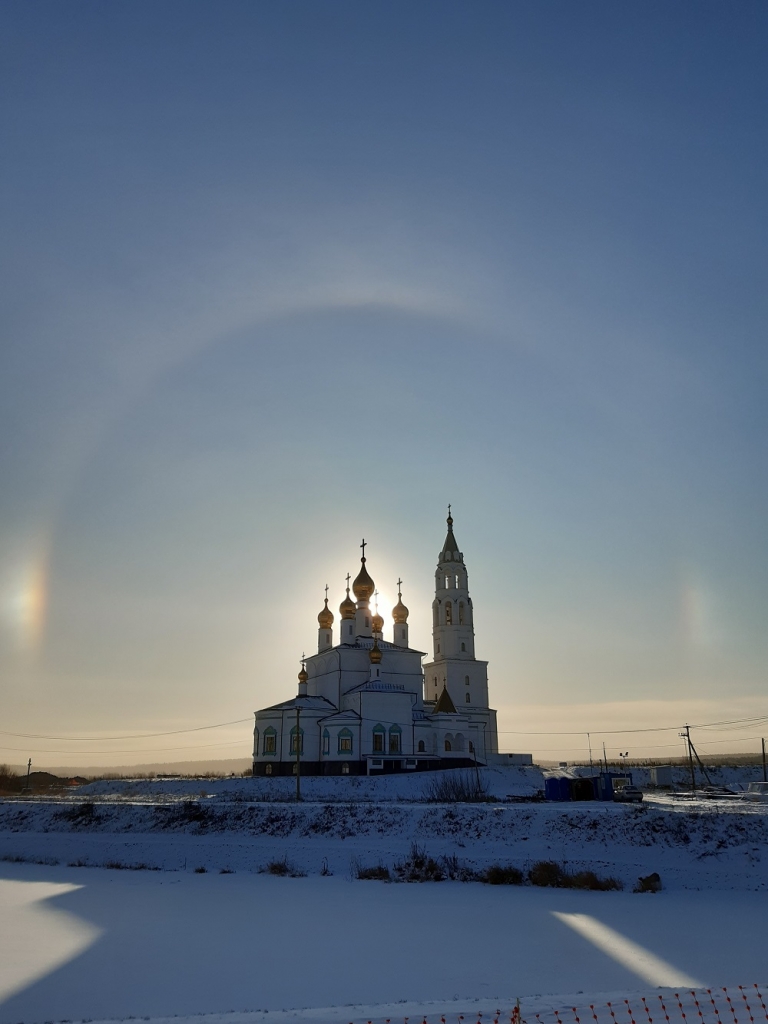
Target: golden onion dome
363	585
347	607
375	654
400	612
303	677
377	623
325	618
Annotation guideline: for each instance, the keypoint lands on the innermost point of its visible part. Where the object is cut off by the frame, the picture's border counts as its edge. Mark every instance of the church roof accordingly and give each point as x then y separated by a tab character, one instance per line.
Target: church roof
304	703
444	704
450	551
380	685
341	716
365	643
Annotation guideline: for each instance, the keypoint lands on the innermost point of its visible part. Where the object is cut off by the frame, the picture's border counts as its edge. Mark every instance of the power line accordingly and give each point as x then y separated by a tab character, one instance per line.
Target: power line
128	736
139	750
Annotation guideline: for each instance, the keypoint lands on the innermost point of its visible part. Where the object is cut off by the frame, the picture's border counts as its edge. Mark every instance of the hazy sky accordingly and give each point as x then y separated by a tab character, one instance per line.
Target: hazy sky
277	276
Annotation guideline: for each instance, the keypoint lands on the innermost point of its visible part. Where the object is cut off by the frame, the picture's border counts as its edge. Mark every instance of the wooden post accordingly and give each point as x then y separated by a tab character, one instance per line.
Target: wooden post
298	755
690	758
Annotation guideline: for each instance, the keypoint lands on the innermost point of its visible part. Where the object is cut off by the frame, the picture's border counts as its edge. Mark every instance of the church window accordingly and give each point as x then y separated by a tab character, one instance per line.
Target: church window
461	613
297	747
466	680
378	739
270	741
466	697
367	622
421	746
448	745
459	741
448	613
438	648
345	769
463	647
456	582
268	769
447	582
394	739
471	747
326	742
345	742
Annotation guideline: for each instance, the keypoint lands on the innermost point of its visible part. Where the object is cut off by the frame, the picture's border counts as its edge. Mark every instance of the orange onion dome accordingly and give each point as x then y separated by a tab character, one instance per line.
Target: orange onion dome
375	654
347	607
325	618
400	612
363	585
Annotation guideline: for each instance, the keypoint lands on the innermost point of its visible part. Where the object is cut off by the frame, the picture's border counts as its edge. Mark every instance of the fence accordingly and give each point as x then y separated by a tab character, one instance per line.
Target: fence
740	1005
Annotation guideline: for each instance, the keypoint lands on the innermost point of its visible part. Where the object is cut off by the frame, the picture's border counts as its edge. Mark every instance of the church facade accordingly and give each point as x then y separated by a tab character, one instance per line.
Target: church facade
365	705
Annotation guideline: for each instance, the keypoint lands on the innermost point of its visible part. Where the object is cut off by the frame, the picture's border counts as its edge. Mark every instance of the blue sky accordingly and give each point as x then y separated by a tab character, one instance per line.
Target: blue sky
280	276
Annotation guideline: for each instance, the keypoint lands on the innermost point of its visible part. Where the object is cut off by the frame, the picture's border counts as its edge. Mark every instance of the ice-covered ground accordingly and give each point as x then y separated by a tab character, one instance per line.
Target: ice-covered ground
97	944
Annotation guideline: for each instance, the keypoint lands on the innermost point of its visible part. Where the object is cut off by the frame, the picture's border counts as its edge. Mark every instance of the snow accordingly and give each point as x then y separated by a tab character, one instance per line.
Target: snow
172	943
87	942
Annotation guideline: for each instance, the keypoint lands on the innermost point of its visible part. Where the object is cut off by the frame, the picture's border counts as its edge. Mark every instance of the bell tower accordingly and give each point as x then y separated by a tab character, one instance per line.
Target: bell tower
454	665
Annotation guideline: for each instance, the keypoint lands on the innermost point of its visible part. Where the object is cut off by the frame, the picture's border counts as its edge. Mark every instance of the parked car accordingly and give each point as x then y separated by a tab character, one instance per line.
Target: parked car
628	795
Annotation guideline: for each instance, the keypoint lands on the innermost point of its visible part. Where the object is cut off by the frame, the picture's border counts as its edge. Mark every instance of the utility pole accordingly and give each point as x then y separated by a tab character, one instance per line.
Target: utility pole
687	737
589	744
765	774
29	763
298	755
605	757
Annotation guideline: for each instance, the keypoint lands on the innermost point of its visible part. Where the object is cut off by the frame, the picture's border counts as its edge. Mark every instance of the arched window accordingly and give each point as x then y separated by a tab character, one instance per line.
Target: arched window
448	745
268	769
345	769
448	581
461	613
422	748
345	742
466	697
326	742
466	680
448	613
463	647
471	747
458	743
270	741
394	739
297	748
379	732
456	581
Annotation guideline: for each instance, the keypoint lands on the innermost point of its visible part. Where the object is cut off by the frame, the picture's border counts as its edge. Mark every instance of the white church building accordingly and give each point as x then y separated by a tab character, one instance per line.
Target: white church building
366	705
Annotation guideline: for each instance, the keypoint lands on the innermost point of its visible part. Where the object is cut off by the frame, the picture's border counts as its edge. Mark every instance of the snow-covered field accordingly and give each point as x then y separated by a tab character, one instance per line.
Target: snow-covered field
85	942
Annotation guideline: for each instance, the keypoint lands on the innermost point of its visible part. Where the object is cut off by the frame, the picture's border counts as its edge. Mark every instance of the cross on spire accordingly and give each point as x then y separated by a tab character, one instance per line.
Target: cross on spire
449	508
348	579
376	599
363	547
326	593
399	584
